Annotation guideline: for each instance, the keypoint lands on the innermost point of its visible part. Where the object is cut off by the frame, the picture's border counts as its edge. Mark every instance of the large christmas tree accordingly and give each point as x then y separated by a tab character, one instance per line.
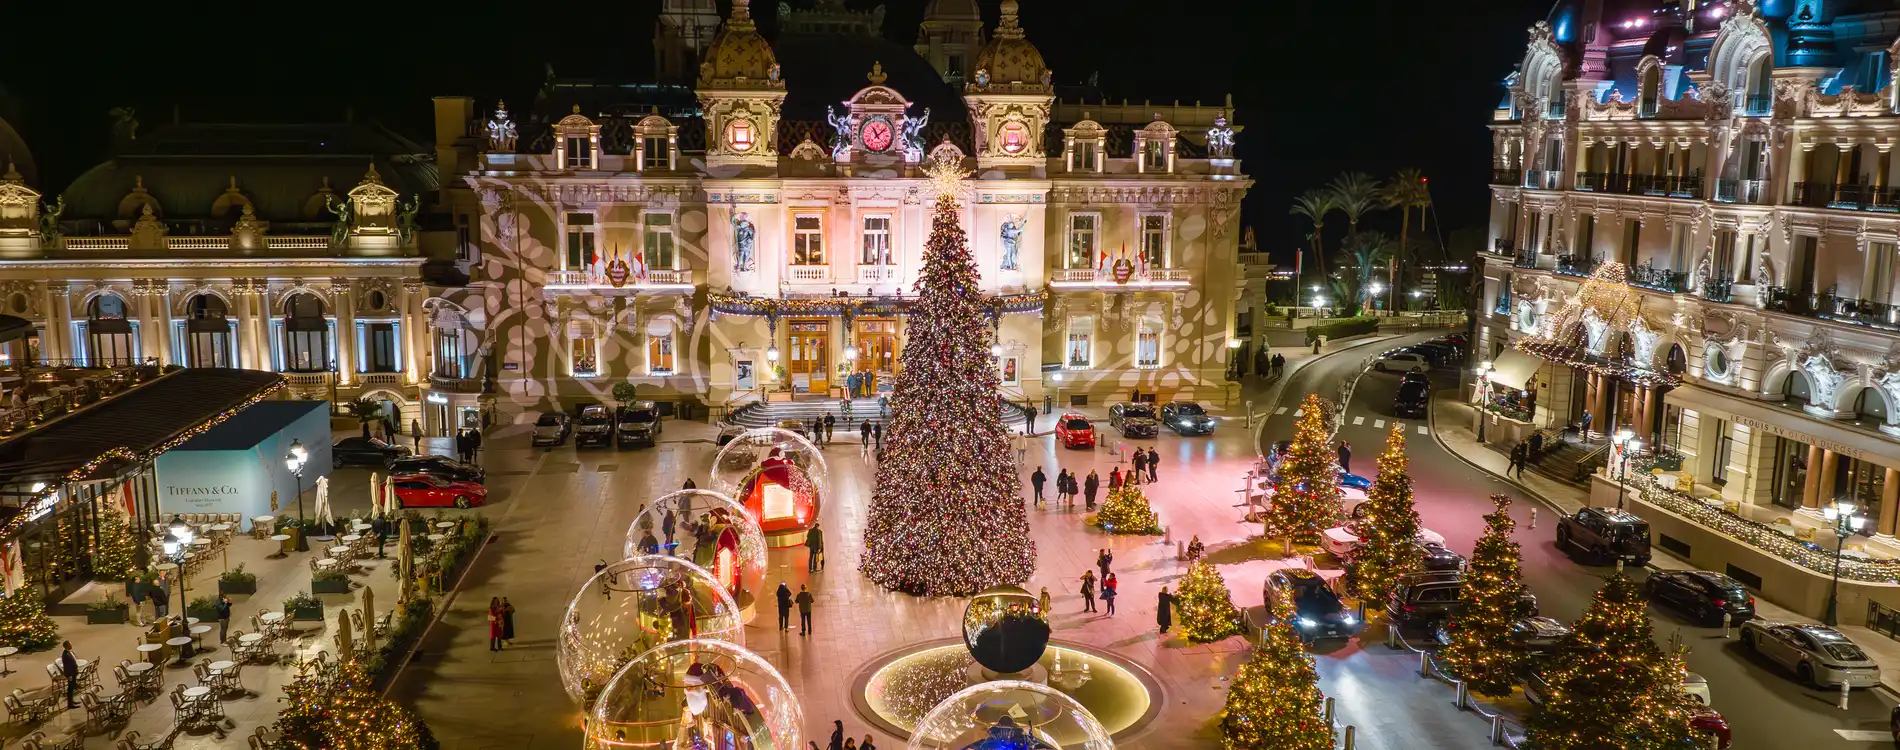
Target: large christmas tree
1482	652
947	516
1205	606
331	705
1306	483
1616	683
1388	531
114	551
24	623
1274	701
1126	511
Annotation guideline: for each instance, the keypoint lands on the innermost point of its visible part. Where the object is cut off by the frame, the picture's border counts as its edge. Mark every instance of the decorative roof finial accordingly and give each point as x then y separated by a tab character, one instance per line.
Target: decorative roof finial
946	177
577	109
372	178
13	173
741	10
877	76
1007	26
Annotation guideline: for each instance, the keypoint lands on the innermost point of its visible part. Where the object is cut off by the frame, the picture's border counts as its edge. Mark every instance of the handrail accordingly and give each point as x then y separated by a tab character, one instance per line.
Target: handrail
756	393
1587	463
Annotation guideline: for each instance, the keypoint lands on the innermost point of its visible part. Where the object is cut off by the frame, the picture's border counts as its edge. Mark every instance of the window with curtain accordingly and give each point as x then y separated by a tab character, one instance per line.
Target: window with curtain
808	240
1081	335
1082	229
580	154
877	241
1084	155
580	242
208	341
661	251
1148	344
379	347
584	351
1154	240
306	334
660	343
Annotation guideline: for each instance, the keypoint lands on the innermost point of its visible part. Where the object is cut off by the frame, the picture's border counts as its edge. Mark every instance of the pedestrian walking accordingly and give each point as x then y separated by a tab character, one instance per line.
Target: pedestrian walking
864	437
1035	482
1029	427
666	526
1069	488
1044	601
1519	453
135	590
884	406
415	433
1022	448
161	601
494	623
1316	345
804	610
69	667
877	439
1108	599
474	445
1154	461
1537	445
1141	463
224	615
1088	591
815	545
1164	610
1089	487
837	735
784	606
507	622
1530	402
1103	560
831	422
1345	456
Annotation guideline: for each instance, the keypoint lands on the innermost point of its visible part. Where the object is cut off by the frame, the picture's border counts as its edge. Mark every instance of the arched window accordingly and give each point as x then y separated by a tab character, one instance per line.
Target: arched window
306	334
1871	406
1797	388
1759	83
111	341
208	341
1650	95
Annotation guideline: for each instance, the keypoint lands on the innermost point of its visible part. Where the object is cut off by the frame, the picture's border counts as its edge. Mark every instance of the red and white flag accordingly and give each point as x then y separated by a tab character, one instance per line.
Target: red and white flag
640	266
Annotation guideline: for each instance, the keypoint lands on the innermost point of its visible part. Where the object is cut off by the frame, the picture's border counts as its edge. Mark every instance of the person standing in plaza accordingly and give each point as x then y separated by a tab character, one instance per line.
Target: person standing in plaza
784	606
1164	610
160	599
866	744
1114	479
135	590
831	422
415	433
1103	560
815	545
837	735
1108	597
1583	430
666	526
1345	456
1044	601
1140	460
224	615
1089	487
1530	402
494	623
1519	454
1035	482
507	622
864	438
474	445
1537	445
1088	591
69	667
877	438
804	610
1065	484
1154	462
1022	448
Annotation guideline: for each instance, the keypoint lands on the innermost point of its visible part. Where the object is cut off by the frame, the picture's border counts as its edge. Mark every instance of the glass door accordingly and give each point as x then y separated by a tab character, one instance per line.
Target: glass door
877	346
809	363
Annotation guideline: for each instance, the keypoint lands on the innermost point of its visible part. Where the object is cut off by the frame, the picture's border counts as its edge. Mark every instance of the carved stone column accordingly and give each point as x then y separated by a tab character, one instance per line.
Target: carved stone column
346	353
1889	499
411	312
1811	488
57	344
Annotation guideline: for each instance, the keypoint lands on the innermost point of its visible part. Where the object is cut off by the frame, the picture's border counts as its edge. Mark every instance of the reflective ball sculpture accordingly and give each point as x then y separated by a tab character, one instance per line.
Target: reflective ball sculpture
1005	629
778	476
632	606
1009	715
697	694
710	529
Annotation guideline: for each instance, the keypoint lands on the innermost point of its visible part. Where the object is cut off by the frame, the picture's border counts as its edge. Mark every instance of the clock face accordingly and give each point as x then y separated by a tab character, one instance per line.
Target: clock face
876	134
1014	137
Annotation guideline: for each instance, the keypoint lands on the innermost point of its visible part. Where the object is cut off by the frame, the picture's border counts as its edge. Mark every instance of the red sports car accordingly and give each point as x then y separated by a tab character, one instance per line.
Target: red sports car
425	491
1707	722
1075	431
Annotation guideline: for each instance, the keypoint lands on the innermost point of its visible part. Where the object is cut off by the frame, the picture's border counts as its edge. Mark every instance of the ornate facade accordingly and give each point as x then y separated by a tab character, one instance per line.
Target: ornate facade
757	232
1731	163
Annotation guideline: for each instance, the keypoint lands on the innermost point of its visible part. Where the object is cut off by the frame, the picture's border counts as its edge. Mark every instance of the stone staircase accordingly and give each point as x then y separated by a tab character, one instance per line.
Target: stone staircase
1560	463
862	409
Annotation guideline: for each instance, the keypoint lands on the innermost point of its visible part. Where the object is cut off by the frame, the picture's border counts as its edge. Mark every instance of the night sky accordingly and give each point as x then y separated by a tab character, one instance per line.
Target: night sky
1321	86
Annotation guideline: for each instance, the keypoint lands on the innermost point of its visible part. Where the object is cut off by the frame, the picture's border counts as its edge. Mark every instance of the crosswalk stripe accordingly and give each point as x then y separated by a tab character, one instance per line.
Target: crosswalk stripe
1378	424
1400	426
1358	420
1281	410
1863	735
1421	430
1297	412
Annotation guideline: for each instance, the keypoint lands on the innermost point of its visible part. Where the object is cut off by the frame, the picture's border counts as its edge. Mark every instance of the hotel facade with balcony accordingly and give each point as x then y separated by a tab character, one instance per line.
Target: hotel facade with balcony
752	225
1694	236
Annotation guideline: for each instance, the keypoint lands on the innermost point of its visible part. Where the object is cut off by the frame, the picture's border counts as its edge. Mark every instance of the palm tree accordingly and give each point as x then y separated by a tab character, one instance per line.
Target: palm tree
1368	251
1315	205
1406	191
1357	194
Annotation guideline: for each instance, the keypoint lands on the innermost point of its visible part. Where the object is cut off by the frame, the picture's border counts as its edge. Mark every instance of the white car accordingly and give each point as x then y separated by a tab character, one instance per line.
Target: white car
1351	499
1342	540
1696	686
1402	362
1819	655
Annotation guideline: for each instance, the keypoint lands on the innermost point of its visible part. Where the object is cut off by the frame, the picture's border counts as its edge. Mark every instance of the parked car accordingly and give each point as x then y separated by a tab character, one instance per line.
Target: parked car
1707	721
1318	611
441	466
1434	356
1402	362
1354	481
1075	431
1605	535
1535	636
1343	540
730	432
1697	687
1702	595
429	491
364	451
596	426
552	428
1133	420
1438	557
1819	655
1430	599
639	422
1187	418
1414	394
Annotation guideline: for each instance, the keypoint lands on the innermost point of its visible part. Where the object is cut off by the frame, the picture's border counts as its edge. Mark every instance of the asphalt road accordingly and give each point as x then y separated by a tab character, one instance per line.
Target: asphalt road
1764	706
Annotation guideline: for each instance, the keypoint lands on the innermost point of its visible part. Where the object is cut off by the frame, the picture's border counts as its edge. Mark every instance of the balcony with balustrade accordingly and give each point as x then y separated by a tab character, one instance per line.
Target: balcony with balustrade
1574	265
1850	197
1718	290
1731	190
1648	276
1829	305
654	281
1506	176
1541	179
1090	278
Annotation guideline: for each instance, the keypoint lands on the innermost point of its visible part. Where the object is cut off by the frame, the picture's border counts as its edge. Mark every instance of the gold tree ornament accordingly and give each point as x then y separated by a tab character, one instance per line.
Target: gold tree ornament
946	177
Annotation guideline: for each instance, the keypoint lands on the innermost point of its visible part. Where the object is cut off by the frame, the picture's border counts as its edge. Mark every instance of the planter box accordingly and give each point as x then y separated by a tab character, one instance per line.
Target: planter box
237	587
105	616
307	614
341	586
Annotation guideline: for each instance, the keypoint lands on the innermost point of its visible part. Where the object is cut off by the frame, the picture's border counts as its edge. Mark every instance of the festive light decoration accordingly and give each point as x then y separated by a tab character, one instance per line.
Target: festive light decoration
1306	484
24	623
947	516
1614	682
1387	547
1205	606
332	705
1607	298
114	550
1482	652
1126	511
1761	536
742	305
1273	703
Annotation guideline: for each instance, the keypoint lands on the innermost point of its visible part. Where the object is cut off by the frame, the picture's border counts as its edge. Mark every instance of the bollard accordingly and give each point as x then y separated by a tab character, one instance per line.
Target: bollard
1844	690
1533	518
1728	627
1464	696
1349	738
1424	664
1391	636
1329	711
1619	567
1497	730
1180	550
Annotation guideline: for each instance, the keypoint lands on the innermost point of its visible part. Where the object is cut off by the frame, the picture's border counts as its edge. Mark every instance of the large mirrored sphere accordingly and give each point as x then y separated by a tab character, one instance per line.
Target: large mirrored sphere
778	476
697	694
1005	629
712	531
631	606
1009	714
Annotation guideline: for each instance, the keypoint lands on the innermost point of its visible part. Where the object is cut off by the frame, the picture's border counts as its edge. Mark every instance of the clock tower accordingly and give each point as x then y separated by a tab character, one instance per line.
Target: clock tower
741	92
876	128
1009	95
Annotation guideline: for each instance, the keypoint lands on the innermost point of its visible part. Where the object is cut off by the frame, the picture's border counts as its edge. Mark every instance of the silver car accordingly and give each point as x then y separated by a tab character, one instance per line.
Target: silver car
1819	655
552	428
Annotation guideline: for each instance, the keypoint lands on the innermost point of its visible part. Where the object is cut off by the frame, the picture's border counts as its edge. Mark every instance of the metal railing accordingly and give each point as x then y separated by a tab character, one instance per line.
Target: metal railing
1676	186
1758	106
1559	106
1572	265
1525	259
1647	108
1648	276
1852	197
1588	463
1541	179
1731	190
1718	290
1506	176
1502	246
1830	306
1505	731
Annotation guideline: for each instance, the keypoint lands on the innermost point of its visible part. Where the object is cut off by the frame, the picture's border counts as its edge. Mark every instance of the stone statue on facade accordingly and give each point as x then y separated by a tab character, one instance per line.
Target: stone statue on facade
743	234
340	231
501	131
49	220
914	135
1012	239
840	133
406	219
1220	139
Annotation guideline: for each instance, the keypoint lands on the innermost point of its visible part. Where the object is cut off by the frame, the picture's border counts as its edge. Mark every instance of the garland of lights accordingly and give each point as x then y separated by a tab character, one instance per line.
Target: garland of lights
1606	294
1764	537
742	305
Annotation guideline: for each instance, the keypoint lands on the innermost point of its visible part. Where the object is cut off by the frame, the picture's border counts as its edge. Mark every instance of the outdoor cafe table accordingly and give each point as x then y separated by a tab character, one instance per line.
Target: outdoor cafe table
445	525
221	666
250	639
221	527
339	551
283	541
7	653
149	651
437	537
180	643
328	562
264	521
140	667
270	617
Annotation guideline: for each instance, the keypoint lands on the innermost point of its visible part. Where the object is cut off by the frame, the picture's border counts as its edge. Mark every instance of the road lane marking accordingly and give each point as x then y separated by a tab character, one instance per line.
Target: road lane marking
1279	411
1378	424
1421	430
1297	412
1864	735
1358	420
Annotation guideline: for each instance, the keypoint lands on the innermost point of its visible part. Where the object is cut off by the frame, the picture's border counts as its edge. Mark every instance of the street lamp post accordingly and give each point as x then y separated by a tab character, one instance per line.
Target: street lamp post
1626	442
1484	395
295	461
1233	359
1845	523
177	544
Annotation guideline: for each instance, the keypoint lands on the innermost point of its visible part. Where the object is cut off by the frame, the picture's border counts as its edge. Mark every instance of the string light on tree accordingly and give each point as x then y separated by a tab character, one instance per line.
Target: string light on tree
24	623
1205	605
1617	683
1306	484
1273	703
332	705
1126	511
1482	652
1387	550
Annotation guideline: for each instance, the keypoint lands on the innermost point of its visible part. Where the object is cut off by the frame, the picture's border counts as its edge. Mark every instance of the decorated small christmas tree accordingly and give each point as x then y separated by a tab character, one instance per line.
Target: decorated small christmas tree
1205	606
1126	511
1616	683
332	705
947	514
1274	701
114	551
24	623
1306	483
1482	652
1387	552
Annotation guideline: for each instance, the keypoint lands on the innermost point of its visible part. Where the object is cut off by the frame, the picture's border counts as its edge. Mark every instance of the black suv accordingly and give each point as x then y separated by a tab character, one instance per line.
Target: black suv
1415	391
1430	599
1133	420
1187	418
1702	595
1605	535
639	422
1317	611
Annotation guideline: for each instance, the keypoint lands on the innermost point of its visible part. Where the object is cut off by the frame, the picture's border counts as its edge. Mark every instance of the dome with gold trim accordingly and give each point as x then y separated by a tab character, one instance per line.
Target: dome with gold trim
739	58
1009	63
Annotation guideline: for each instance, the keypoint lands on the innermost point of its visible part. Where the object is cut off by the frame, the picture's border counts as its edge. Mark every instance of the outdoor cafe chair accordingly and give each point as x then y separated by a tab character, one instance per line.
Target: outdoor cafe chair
24	707
131	742
38	741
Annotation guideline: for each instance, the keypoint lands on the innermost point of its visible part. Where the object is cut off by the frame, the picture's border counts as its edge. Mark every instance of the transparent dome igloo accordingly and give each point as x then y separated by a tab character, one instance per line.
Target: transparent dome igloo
778	476
697	694
632	606
1009	714
710	529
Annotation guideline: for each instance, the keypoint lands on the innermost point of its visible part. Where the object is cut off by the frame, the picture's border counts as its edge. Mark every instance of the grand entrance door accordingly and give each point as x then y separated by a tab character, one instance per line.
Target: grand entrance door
877	347
809	363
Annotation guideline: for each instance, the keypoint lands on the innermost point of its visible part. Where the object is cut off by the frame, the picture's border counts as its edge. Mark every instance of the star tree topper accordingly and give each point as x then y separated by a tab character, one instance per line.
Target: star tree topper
946	177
